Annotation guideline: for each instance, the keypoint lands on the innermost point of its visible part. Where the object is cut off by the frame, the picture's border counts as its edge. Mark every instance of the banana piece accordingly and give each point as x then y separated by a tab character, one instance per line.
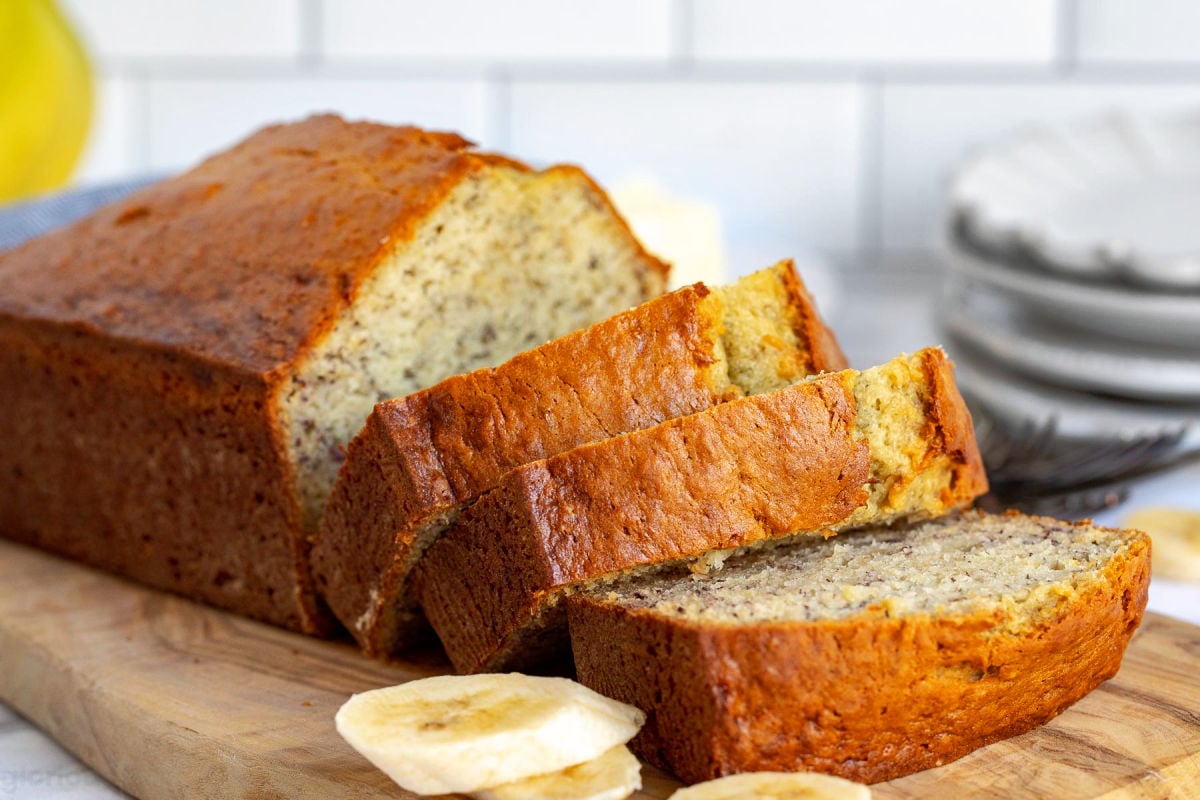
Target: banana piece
1174	541
775	786
465	733
613	776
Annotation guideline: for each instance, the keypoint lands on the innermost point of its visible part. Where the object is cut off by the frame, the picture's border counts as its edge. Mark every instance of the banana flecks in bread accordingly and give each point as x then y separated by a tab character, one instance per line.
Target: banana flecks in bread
424	457
468	272
1023	567
872	655
793	463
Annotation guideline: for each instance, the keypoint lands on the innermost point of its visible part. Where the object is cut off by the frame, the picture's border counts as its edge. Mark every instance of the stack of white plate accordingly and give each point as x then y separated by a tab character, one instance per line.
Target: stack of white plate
1075	258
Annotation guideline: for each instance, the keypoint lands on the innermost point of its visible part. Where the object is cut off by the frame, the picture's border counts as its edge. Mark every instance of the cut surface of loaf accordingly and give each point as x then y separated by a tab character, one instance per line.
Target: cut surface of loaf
180	369
419	459
507	259
834	451
871	655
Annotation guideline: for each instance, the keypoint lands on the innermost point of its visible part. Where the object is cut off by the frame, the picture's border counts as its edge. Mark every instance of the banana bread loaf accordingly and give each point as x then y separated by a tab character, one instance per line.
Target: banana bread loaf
180	370
835	451
421	458
870	656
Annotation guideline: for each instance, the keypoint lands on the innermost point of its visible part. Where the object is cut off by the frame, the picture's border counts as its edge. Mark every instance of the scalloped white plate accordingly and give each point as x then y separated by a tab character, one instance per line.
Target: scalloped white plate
1115	311
1114	199
1065	356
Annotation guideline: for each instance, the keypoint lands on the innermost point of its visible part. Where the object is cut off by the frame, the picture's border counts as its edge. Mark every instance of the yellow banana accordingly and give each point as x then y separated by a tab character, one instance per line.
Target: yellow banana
45	98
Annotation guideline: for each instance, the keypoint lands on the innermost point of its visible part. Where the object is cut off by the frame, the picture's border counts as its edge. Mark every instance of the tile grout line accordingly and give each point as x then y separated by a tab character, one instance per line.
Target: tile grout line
312	24
869	216
140	141
498	111
375	69
681	49
1067	36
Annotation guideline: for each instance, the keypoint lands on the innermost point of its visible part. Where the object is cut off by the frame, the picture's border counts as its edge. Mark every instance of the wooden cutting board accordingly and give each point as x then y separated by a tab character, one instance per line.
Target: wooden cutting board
169	699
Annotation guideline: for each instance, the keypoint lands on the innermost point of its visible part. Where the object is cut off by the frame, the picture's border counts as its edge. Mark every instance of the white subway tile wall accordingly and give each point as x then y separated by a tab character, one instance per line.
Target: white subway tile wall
927	128
191	118
111	152
824	123
876	31
485	30
746	146
145	30
1139	31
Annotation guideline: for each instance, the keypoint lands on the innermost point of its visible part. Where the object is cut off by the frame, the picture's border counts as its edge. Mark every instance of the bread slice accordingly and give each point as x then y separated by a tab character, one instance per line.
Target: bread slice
419	459
872	655
180	370
838	450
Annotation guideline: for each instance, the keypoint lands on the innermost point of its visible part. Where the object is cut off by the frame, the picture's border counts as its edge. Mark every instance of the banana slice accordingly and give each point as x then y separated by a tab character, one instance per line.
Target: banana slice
613	776
1174	539
775	786
465	733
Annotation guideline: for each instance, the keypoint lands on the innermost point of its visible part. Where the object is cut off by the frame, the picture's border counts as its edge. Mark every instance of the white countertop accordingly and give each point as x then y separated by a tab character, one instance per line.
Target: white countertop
34	767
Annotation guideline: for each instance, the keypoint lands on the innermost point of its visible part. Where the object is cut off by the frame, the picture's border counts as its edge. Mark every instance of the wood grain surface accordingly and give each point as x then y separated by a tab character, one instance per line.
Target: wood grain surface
168	699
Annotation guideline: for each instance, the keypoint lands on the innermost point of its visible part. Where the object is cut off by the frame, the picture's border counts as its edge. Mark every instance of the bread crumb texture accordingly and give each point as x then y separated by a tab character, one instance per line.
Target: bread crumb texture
765	341
956	566
509	260
892	403
871	655
423	458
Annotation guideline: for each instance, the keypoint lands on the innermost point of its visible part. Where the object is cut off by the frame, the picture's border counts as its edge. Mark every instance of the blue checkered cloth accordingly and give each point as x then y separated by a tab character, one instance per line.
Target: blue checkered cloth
21	221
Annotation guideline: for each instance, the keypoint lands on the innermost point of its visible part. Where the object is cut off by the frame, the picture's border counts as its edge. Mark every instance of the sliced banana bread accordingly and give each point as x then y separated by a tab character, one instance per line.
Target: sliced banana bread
871	655
838	450
179	370
421	458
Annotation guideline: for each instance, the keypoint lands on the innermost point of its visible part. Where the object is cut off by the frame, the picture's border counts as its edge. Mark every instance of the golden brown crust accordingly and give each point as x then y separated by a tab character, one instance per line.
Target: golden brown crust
823	353
145	345
248	257
421	457
754	468
717	480
448	444
224	275
104	442
870	699
952	431
353	558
